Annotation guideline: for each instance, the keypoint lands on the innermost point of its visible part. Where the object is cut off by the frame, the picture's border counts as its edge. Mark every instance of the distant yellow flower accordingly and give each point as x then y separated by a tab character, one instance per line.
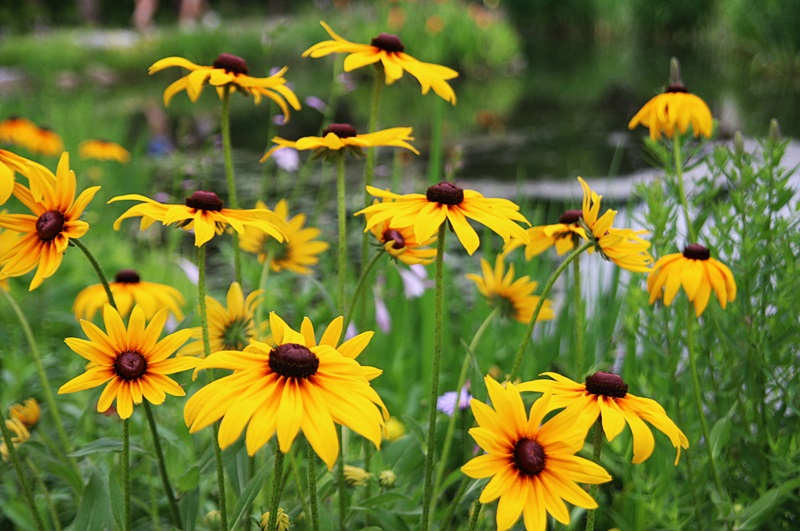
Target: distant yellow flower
129	289
402	244
533	466
203	211
338	137
514	297
297	252
45	141
230	327
605	395
446	202
281	522
20	435
563	235
47	231
283	390
675	109
132	361
697	272
27	413
228	71
103	150
356	476
388	50
17	131
394	429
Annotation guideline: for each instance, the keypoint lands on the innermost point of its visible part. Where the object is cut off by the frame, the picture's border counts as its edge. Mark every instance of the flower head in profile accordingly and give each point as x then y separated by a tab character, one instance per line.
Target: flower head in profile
294	386
388	51
17	131
356	476
230	327
129	289
401	243
514	297
54	219
297	253
27	413
103	150
446	202
564	235
338	139
131	361
227	71
202	212
44	141
605	395
697	272
533	466
19	435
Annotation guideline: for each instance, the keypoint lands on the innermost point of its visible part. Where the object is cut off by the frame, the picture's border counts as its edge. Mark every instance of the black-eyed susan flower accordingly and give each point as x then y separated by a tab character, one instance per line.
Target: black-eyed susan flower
297	253
103	150
388	51
351	348
227	71
514	297
20	434
338	139
44	141
54	219
446	202
402	244
284	389
131	360
564	235
202	212
230	327
28	413
605	395
533	466
624	247
129	289
17	131
675	109
697	272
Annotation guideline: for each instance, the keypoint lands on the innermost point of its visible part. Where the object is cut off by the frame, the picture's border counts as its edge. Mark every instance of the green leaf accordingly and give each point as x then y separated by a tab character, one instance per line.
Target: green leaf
94	511
721	433
189	480
248	494
103	445
756	514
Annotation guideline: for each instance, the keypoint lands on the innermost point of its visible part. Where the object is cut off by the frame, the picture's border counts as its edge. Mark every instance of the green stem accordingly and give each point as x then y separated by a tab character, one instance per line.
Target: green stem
579	320
451	423
312	487
262	284
201	295
48	392
342	216
97	269
435	154
277	483
51	508
21	476
597	449
438	343
676	150
474	514
341	485
360	286
539	305
233	199
162	466
126	474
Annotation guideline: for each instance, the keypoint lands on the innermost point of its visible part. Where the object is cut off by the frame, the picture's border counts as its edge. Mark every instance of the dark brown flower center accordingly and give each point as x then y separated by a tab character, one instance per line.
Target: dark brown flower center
49	225
445	193
204	201
394	235
606	384
529	457
127	276
293	361
388	43
130	365
570	216
695	251
676	87
231	64
340	130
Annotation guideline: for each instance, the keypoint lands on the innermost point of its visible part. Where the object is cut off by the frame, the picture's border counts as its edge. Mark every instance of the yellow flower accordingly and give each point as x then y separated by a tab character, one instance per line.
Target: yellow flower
203	212
44	141
47	232
297	252
675	109
446	201
338	137
394	429
103	150
605	395
17	131
228	71
131	360
281	522
128	289
533	466
564	235
10	163
402	244
624	247
356	476
291	387
697	272
387	50
514	297
27	413
229	328
20	435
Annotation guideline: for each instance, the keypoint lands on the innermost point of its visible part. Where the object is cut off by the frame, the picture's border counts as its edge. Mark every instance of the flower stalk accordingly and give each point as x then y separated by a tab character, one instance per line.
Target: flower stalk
126	474
312	487
277	483
342	217
162	467
21	476
233	199
597	449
